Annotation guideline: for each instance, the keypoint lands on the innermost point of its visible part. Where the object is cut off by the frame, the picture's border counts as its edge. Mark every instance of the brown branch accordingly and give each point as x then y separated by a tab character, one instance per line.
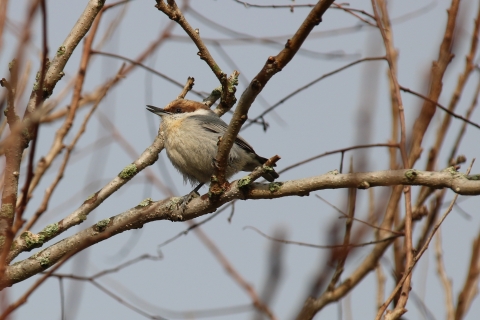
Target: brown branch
343	150
427	99
359	220
147	158
463	129
141	65
273	65
381	279
341	255
170	313
462	81
312	305
171	9
58	143
384	26
397	312
436	84
326	75
49	191
23	299
113	5
3	16
242	37
148	211
470	288
91	97
33	128
188	87
318	246
442	274
15	144
228	99
259	305
291	6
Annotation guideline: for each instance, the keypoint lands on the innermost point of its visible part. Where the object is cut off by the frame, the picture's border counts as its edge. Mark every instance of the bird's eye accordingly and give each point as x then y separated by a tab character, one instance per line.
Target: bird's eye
178	110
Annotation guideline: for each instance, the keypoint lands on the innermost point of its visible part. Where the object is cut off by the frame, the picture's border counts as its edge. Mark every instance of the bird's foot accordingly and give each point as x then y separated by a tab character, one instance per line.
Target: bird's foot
186	199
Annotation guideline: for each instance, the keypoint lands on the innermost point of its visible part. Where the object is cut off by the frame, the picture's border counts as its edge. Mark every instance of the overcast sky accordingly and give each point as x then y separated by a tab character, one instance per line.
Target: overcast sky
352	107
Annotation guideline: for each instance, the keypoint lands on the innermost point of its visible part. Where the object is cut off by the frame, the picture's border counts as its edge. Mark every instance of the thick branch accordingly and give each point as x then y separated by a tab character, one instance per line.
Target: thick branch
168	209
28	240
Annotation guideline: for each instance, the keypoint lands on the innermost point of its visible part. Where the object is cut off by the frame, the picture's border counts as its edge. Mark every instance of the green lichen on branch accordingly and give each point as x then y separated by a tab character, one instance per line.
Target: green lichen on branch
128	172
12	64
267	168
49	231
44	260
145	202
450	170
61	51
243	182
411	174
32	240
6	211
174	203
274	186
102	224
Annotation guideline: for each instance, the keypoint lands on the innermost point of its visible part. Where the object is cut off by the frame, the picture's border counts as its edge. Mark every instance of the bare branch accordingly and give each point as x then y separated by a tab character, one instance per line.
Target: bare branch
442	273
148	210
273	65
234	274
470	288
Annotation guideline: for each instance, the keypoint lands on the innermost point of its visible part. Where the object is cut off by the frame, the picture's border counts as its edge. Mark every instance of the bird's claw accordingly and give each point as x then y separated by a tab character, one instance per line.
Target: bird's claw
186	199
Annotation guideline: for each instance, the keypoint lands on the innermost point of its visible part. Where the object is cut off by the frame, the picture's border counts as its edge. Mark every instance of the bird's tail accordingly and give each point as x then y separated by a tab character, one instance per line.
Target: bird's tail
270	175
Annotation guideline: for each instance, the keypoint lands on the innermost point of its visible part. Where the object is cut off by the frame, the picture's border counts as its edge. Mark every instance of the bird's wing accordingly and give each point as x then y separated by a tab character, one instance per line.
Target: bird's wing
220	127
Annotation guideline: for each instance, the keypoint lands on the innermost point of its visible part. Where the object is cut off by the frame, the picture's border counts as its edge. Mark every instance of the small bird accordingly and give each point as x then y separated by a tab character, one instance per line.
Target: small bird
192	131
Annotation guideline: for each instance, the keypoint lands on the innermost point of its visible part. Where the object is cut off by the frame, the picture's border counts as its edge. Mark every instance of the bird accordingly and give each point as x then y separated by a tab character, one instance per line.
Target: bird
191	133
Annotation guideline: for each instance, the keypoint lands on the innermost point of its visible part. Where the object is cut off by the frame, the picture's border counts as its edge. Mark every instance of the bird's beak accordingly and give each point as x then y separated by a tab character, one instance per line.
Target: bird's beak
158	111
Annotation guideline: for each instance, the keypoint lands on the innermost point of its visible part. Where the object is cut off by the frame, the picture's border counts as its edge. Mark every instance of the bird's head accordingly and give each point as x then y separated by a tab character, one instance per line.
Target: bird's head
180	108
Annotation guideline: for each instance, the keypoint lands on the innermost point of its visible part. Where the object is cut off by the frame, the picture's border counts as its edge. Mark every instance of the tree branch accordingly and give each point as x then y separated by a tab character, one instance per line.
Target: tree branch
273	65
168	209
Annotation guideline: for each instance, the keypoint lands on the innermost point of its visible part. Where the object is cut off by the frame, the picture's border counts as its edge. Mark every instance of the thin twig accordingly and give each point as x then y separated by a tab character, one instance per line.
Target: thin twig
435	84
359	220
390	145
463	129
442	274
234	274
408	271
466	120
318	246
384	25
141	65
292	6
273	65
326	75
470	287
188	87
49	191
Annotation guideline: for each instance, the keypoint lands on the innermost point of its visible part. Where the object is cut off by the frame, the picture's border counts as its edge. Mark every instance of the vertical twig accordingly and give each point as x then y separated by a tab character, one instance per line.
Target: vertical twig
442	274
436	84
342	253
234	274
470	288
397	312
383	23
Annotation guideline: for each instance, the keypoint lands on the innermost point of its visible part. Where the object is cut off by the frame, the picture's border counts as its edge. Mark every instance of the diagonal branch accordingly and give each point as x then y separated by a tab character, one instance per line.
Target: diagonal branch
273	65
